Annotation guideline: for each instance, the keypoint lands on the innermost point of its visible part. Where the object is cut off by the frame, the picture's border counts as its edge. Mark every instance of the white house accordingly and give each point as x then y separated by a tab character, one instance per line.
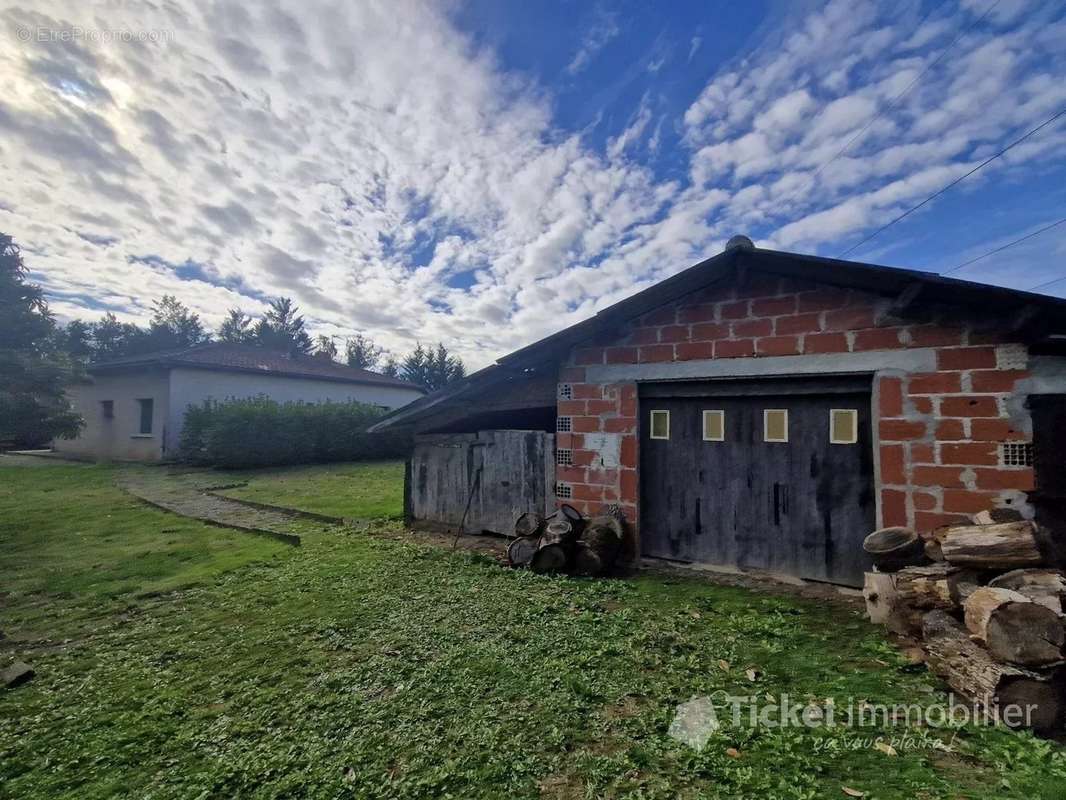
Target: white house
134	407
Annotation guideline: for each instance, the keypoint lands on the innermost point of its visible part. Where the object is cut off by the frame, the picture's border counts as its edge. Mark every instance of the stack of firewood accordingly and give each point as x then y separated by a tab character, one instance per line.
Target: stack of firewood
566	542
986	603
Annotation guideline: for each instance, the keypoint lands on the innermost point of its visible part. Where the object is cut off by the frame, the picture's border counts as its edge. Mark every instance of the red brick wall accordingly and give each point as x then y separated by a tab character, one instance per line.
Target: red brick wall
938	431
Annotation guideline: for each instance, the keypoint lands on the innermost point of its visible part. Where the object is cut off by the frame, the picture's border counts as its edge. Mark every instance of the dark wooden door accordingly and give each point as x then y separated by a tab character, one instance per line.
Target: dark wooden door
800	507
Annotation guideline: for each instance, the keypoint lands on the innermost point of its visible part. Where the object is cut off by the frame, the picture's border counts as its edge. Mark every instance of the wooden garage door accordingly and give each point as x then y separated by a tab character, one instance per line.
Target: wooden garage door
759	475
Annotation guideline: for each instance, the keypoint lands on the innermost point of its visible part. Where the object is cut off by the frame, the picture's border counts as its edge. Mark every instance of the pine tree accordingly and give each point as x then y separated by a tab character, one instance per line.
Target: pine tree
391	368
236	328
282	328
174	326
33	369
325	347
433	369
361	352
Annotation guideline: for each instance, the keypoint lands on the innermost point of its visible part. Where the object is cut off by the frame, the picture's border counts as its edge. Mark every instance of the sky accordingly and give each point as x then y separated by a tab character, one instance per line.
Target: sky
485	173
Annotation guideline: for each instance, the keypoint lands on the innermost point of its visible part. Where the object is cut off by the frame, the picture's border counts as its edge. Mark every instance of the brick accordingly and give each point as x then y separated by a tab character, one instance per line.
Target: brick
656	352
585	491
628	453
674	333
891	397
587	391
627	400
620	425
644	336
1023	480
570	474
892	464
748	328
627	485
923	453
924	501
585	424
823	300
994	430
968	453
588	355
893	507
849	319
690	350
966	358
945	477
572	375
710	330
798	323
621	355
734	348
825	343
596	407
878	339
778	345
735	310
967	502
774	306
584	458
897	430
701	313
926	521
603	477
935	336
661	316
969	407
949	430
934	383
922	405
996	380
571	408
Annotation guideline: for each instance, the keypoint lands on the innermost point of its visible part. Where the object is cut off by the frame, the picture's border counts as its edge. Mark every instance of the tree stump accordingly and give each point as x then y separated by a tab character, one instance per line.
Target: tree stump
1004	545
894	548
1014	628
970	670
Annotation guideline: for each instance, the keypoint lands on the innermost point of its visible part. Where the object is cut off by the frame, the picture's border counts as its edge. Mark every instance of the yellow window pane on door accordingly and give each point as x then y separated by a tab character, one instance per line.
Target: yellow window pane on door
713	426
775	425
660	424
843	426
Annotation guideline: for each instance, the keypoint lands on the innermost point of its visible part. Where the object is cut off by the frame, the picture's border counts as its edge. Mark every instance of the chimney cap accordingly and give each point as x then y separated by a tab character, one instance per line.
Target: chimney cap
740	241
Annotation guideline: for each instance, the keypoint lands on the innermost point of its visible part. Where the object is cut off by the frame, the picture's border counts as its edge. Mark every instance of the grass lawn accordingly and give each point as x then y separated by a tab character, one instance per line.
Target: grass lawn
365	665
367	490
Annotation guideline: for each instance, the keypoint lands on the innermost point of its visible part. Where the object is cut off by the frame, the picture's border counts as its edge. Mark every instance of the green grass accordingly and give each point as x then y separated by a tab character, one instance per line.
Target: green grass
365	665
364	490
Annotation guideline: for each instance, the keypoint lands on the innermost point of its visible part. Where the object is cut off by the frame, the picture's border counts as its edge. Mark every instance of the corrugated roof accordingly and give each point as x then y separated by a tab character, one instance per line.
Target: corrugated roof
227	357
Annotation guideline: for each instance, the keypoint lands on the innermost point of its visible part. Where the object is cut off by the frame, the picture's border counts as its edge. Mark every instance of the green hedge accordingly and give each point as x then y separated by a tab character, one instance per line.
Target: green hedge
261	432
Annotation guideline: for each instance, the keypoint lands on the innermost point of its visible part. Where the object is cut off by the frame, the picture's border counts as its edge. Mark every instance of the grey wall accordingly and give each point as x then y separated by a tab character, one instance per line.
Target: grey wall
119	438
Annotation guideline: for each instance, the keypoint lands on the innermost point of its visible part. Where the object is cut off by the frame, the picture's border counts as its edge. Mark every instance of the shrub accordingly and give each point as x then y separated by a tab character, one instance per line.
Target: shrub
260	432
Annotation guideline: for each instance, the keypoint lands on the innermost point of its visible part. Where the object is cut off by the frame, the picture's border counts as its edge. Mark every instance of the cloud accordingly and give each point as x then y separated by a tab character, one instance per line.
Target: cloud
603	29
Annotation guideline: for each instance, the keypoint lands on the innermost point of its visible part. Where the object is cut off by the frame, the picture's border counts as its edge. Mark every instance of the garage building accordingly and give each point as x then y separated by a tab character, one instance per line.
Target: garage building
763	410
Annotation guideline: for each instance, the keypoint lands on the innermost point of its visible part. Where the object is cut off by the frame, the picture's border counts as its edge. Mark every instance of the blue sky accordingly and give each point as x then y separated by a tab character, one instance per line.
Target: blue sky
484	173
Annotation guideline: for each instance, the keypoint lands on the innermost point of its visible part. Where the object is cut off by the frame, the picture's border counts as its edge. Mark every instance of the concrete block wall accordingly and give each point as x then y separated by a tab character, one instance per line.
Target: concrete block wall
937	431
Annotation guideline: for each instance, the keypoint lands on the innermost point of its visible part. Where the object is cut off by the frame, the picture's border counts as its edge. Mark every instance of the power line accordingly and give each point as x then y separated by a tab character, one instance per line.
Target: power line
909	86
1004	247
958	180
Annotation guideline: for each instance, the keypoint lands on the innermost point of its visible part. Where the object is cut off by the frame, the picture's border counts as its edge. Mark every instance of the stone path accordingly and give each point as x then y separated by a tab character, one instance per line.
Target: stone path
185	492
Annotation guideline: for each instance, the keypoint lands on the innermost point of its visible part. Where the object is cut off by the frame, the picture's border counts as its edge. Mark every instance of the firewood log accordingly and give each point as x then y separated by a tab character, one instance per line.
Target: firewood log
520	551
596	552
894	548
883	606
1014	628
993	515
932	586
555	548
1003	545
970	670
528	524
1044	586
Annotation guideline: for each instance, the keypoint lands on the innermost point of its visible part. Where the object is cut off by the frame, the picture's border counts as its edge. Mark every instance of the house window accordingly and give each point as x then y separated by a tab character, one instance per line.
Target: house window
660	424
566	391
564	457
147	406
107	409
562	424
714	426
843	426
775	425
1016	454
564	491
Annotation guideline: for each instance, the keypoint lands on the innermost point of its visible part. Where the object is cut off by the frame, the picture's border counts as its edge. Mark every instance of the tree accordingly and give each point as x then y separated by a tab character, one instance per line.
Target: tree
391	367
361	352
325	347
433	369
174	326
236	328
281	328
114	339
76	341
33	370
